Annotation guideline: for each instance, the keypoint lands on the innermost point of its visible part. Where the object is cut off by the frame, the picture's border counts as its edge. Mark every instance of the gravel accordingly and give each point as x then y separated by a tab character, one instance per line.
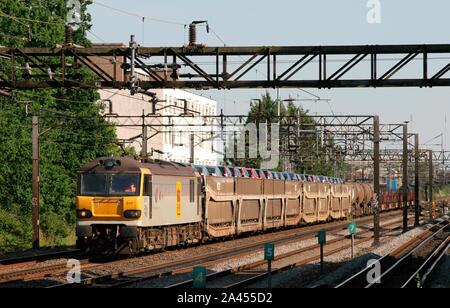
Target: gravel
338	266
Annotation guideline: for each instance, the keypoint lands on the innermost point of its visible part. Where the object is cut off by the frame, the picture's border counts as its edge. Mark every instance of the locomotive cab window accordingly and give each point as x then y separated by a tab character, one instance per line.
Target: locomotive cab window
111	184
191	190
92	184
147	185
124	184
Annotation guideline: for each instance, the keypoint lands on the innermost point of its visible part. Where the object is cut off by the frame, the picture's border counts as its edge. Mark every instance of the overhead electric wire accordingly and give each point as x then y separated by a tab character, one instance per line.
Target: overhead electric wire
137	15
19	20
96	36
22	38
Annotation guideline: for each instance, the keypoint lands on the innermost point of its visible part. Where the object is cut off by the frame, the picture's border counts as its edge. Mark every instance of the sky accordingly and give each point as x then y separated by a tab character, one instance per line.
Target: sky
299	23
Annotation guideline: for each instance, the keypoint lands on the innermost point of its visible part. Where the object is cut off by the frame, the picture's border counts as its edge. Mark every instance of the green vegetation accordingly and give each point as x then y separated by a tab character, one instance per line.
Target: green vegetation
68	142
314	155
443	192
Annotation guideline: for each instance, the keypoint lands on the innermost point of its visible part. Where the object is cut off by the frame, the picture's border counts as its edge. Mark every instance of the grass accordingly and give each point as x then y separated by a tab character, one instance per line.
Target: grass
443	191
49	241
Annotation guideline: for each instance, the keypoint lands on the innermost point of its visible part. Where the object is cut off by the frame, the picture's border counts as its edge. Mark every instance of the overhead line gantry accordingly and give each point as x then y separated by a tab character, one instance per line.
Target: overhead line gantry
210	67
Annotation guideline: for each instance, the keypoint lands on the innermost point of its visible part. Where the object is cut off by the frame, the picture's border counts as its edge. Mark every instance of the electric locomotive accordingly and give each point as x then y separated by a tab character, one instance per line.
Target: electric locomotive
125	206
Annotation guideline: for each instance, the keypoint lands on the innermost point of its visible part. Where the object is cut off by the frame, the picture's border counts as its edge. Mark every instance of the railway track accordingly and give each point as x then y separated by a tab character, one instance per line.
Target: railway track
407	266
180	267
127	277
256	271
37	257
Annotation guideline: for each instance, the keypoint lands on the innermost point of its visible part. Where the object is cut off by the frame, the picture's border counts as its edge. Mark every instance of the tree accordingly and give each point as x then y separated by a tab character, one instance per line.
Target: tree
75	134
300	143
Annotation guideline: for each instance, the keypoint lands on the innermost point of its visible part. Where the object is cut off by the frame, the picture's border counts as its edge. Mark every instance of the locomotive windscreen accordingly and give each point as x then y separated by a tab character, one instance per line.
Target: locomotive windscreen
109	184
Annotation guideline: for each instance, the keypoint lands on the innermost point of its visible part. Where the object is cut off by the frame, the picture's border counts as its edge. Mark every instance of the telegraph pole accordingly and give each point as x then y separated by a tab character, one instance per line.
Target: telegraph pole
35	185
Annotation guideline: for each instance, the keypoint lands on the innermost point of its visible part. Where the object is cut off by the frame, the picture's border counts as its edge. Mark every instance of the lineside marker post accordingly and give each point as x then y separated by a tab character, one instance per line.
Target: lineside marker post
352	230
199	277
269	254
322	240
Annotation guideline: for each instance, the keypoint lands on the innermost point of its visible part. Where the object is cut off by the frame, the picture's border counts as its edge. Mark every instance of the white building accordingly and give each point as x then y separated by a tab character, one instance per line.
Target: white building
169	137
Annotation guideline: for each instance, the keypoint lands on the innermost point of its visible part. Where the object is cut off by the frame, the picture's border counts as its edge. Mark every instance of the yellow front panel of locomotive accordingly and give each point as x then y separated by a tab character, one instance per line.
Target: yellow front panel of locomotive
108	208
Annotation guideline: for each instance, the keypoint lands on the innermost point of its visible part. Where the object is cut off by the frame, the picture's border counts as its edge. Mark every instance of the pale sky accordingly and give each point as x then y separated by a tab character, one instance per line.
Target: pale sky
298	23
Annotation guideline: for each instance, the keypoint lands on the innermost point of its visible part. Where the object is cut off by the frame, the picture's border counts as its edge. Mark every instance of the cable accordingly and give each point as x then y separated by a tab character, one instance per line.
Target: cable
14	36
137	15
18	19
56	98
224	44
96	36
104	145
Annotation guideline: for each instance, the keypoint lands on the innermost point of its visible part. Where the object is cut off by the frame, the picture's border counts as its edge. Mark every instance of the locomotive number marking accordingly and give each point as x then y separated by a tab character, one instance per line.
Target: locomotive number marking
178	200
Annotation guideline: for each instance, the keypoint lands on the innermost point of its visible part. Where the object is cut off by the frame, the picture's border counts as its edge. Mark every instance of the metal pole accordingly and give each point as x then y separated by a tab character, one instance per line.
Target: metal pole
278	105
405	178
35	185
144	136
353	245
321	259
376	180
416	180
430	162
191	159
133	77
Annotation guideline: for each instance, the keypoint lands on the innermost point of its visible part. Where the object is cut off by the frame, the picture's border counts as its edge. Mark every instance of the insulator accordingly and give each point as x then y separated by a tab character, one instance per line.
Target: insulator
68	35
192	34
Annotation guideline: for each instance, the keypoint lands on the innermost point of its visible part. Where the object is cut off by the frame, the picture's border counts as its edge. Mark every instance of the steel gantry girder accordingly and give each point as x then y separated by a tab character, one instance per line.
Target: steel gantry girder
202	67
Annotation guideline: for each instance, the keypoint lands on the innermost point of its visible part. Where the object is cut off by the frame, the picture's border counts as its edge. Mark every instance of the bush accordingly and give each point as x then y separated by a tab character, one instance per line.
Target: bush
15	232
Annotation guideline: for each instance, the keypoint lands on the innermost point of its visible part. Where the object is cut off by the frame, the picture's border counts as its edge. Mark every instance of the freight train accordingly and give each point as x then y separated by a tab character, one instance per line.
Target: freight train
127	206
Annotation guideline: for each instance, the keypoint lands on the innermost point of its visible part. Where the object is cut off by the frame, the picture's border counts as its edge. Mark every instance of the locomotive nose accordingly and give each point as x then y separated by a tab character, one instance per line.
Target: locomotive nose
107	207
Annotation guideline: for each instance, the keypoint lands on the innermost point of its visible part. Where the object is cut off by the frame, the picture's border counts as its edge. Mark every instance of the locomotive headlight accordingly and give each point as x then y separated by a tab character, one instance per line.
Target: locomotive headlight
132	214
84	214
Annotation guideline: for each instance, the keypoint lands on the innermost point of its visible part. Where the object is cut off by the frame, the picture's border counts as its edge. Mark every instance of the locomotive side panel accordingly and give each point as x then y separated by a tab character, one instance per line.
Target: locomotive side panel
174	201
